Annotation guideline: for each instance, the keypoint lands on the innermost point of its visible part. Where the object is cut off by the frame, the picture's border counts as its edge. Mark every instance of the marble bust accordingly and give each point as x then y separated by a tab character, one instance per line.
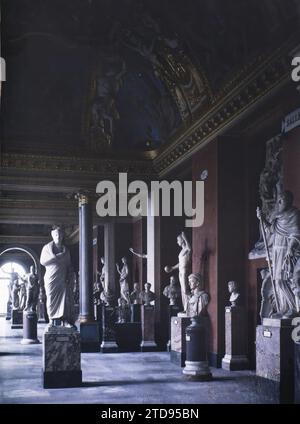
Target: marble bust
147	296
135	294
199	299
235	297
172	291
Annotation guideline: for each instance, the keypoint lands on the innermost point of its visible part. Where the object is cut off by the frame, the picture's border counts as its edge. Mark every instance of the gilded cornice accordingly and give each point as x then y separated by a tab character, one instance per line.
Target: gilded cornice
237	97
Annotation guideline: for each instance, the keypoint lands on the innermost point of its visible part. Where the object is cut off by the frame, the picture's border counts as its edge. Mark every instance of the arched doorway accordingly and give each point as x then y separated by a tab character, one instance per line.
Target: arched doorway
7	270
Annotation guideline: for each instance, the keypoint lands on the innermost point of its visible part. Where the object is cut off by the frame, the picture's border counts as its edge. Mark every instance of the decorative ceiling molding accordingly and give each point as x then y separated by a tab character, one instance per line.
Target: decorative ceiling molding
272	73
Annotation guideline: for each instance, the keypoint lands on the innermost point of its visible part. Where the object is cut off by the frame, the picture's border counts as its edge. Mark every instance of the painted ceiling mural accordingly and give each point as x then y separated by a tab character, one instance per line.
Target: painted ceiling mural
86	76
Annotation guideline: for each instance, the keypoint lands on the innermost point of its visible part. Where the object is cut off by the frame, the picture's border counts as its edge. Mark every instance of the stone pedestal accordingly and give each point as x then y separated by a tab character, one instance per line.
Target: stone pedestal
172	312
109	318
235	339
128	336
196	364
8	311
30	328
275	358
61	358
178	343
297	373
135	313
90	336
16	319
148	328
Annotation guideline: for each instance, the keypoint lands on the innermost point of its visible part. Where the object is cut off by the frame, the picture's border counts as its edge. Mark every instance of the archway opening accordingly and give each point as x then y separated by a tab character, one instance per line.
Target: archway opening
7	271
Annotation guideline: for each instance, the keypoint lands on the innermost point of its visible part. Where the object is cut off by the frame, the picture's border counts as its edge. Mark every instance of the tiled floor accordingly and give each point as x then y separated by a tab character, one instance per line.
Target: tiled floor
115	378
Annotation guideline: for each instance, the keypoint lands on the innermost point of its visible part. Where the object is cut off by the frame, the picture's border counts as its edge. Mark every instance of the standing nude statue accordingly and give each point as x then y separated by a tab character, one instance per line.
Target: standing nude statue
183	266
124	276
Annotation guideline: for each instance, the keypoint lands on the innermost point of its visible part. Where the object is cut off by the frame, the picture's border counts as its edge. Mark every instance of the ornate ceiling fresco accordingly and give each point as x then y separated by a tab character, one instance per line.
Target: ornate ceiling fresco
88	77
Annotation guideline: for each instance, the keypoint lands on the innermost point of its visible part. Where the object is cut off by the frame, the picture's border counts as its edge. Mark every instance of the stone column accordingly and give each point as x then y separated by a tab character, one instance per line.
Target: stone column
89	330
109	256
153	255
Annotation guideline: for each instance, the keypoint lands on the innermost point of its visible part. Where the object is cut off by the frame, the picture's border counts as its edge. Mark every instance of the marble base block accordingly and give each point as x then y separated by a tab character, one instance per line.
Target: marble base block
61	358
128	336
29	328
198	371
275	358
90	336
235	339
148	328
136	313
172	312
297	373
178	342
16	319
109	317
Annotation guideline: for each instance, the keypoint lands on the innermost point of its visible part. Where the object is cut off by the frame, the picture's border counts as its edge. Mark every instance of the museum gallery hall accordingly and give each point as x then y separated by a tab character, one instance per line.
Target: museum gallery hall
150	202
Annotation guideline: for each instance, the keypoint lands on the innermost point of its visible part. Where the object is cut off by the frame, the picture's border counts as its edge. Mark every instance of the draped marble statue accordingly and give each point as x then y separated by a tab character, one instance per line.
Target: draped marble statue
284	239
124	280
55	257
183	266
32	290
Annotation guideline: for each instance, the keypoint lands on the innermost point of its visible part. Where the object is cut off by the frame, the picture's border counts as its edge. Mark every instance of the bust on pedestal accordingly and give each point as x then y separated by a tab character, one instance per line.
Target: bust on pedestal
235	332
61	343
148	319
173	293
135	298
196	363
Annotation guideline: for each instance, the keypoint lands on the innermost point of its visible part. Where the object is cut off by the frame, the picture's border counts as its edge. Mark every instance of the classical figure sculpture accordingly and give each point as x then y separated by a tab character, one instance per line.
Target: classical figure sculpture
122	310
15	294
199	299
139	255
124	276
55	257
22	293
183	266
284	237
267	307
107	297
172	291
234	294
97	293
147	296
135	294
32	291
102	274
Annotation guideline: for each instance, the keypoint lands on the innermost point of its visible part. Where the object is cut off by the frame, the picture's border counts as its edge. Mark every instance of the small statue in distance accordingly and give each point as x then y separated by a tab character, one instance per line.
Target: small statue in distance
32	291
172	291
147	296
235	296
199	299
135	294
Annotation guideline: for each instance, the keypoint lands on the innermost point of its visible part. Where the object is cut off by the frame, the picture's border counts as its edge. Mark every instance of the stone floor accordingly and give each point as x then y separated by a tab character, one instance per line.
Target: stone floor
119	378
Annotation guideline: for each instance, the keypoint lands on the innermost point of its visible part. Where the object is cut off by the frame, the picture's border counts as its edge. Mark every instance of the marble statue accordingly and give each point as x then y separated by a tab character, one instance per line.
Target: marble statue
124	277
172	291
122	310
235	297
284	237
198	299
107	297
22	293
139	255
32	291
135	294
147	296
183	266
267	306
97	293
55	257
102	274
15	299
